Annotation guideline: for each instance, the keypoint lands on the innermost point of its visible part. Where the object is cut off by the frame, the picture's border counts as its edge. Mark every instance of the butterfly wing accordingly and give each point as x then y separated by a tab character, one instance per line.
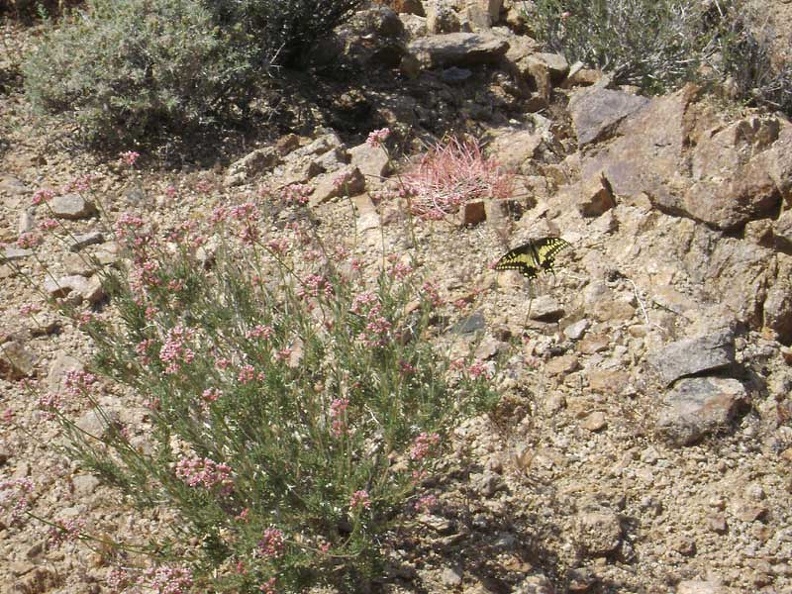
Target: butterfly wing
533	256
546	250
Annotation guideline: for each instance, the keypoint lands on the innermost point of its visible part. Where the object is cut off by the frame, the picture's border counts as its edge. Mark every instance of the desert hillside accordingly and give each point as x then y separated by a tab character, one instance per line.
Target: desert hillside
296	352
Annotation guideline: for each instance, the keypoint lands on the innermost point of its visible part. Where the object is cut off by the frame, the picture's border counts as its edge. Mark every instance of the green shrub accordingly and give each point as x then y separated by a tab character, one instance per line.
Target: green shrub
659	45
283	29
650	43
138	69
295	407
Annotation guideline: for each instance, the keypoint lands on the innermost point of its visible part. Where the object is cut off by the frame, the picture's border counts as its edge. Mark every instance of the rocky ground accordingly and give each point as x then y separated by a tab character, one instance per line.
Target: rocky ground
644	439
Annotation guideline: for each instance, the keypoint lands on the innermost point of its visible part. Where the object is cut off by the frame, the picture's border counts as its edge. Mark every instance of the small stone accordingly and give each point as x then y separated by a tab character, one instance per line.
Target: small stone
373	162
594	422
349	181
575	331
251	165
717	523
85	484
13	254
473	213
16	361
700	587
545	309
78	242
76	287
72	207
27	222
597	197
562	365
59	368
599	533
451	577
95	423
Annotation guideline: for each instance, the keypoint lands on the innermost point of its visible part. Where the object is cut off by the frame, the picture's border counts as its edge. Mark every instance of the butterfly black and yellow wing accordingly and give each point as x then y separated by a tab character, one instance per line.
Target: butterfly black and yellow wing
532	257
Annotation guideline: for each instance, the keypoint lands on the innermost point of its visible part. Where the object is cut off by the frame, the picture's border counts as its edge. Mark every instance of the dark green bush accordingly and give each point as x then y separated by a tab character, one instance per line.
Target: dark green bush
653	44
141	71
659	45
283	29
138	69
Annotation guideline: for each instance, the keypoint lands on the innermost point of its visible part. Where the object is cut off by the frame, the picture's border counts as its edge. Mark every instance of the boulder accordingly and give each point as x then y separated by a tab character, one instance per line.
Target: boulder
693	356
458	49
700	406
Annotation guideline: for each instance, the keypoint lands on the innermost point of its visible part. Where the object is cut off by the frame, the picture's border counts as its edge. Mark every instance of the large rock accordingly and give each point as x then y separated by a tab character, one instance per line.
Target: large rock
777	307
696	407
251	165
693	356
687	162
596	112
647	154
458	49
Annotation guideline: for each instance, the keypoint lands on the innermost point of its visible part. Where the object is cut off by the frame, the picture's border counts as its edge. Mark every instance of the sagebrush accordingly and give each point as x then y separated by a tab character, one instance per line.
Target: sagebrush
658	45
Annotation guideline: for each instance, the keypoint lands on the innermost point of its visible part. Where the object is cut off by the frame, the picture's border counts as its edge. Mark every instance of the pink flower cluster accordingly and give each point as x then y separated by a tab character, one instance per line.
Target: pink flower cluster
174	351
204	472
129	157
480	368
247	373
423	445
260	331
297	194
79	382
70	531
271	544
315	285
378	137
15	497
28	241
360	499
378	327
168	580
338	416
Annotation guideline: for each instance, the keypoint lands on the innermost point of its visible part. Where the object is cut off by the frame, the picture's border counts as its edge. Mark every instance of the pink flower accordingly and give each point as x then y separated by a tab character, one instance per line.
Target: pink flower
271	543
268	587
425	503
29	240
49	403
260	331
168	580
43	195
79	382
204	472
79	184
480	368
423	445
247	373
29	309
298	194
175	351
360	499
129	157
70	530
48	224
377	137
15	497
211	395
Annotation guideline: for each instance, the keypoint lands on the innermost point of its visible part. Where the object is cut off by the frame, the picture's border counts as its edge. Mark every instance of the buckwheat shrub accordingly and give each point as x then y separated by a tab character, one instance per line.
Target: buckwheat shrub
295	408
